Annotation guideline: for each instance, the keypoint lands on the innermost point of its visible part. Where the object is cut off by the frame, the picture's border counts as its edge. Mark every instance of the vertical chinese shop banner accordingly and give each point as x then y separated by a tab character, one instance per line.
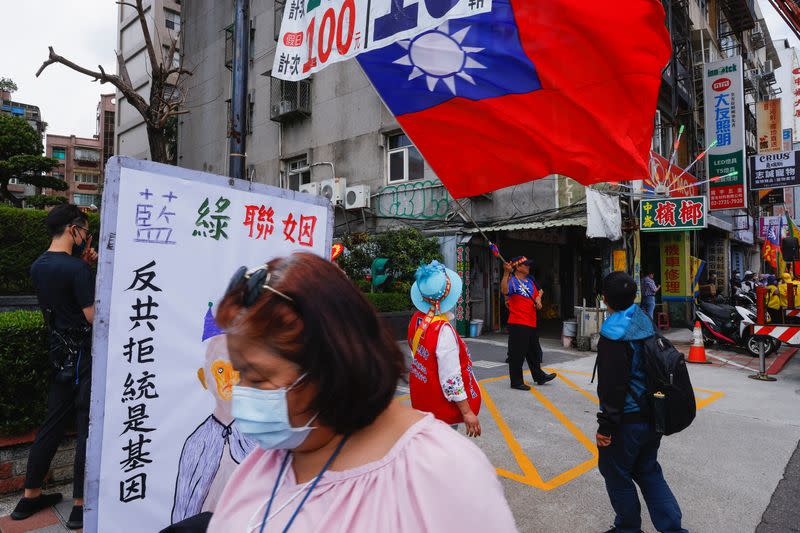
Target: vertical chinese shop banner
462	310
162	438
637	264
725	121
768	126
675	266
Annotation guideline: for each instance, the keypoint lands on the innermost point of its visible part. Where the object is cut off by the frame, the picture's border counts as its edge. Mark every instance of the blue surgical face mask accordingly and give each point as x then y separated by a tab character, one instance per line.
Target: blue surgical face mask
263	415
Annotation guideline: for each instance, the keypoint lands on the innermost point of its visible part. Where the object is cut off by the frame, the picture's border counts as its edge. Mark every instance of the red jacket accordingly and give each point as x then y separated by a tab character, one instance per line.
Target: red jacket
426	390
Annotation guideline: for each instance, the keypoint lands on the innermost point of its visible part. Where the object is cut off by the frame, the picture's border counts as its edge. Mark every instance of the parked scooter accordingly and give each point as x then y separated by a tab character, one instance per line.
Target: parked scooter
730	325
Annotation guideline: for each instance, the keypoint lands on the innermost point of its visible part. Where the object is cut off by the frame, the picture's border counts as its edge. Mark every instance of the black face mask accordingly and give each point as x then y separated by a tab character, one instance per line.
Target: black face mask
77	249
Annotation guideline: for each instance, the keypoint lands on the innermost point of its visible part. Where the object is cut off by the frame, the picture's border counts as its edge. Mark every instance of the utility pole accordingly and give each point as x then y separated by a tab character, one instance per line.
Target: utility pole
239	111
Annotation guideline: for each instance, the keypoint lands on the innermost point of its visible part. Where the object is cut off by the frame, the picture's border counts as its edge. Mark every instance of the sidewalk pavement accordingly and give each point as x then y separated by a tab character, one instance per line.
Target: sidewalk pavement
46	521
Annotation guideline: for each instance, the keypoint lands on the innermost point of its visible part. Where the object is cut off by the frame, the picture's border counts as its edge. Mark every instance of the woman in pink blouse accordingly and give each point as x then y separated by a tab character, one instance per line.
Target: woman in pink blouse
336	453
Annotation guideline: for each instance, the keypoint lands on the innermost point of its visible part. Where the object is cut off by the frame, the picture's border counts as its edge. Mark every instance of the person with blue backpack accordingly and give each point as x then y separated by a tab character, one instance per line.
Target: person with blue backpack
644	392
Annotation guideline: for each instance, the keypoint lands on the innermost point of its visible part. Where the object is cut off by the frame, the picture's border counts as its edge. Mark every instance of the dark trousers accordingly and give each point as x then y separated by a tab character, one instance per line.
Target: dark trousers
64	401
523	345
632	457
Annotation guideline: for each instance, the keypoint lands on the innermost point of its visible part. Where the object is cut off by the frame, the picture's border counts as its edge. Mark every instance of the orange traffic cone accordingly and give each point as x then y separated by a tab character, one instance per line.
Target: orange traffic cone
697	353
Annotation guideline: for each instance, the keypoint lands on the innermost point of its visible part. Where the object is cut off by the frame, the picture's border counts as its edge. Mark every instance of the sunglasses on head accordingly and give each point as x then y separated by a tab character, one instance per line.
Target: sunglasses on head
254	283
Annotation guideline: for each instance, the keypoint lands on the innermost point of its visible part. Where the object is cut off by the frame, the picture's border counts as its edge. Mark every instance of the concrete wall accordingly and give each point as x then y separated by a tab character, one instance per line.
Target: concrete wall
347	126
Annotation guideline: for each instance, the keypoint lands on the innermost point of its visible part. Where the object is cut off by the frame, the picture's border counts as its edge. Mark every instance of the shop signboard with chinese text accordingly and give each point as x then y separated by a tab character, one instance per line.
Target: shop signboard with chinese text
775	171
673	214
463	310
725	118
316	33
768	126
675	266
161	429
796	97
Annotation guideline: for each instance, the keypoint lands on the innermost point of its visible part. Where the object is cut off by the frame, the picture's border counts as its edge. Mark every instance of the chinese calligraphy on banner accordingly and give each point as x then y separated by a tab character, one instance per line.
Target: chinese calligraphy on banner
724	104
161	430
463	309
675	266
316	33
673	214
768	126
774	171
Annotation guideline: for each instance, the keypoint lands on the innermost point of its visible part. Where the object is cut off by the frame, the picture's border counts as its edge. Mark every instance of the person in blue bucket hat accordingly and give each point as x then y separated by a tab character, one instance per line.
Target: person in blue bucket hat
441	378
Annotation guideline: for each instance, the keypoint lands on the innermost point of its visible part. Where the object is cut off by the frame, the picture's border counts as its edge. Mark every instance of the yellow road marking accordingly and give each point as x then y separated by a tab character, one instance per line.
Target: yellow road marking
530	475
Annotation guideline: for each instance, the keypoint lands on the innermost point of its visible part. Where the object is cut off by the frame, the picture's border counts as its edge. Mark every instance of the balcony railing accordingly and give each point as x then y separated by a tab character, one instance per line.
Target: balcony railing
741	14
89	156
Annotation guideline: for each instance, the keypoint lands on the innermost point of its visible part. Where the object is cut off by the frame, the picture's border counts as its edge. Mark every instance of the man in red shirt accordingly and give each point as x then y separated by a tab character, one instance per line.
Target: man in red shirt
524	298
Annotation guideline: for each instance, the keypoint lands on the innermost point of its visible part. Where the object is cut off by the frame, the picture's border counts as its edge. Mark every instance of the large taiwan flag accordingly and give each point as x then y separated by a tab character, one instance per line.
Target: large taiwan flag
532	88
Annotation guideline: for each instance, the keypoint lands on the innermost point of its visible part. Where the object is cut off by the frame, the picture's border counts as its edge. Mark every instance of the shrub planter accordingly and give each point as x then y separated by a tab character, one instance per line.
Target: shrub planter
14	461
397	322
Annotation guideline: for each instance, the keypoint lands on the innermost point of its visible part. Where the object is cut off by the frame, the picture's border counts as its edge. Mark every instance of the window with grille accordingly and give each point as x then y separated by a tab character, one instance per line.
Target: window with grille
403	160
87	155
298	172
84	200
172	20
87	178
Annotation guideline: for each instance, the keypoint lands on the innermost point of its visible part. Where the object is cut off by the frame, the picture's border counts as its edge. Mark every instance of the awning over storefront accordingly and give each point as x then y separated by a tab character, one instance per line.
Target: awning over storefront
718	223
569	216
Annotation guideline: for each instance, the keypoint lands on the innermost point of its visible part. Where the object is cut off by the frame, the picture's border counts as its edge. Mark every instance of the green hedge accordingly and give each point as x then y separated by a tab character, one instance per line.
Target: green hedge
387	302
26	368
23	237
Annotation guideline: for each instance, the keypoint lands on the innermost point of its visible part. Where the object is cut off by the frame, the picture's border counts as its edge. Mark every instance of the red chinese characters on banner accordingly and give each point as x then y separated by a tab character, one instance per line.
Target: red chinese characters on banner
691	212
302	231
727	197
665	214
297	228
259	218
672	273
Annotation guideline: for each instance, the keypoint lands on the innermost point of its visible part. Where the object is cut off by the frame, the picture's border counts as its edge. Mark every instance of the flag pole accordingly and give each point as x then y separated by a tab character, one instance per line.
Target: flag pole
492	246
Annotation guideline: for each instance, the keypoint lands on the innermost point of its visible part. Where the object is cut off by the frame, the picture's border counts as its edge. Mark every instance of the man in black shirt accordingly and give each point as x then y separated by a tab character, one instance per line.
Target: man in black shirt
64	284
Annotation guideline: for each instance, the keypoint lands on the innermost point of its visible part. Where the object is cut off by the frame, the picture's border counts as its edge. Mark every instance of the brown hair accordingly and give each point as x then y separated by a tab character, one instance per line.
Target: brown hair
330	330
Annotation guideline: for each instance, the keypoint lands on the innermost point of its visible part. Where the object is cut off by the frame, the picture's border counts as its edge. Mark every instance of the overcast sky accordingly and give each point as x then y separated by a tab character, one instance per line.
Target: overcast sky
85	32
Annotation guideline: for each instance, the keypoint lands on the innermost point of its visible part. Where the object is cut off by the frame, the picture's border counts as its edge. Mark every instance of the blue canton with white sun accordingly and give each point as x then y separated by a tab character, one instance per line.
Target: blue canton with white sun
476	58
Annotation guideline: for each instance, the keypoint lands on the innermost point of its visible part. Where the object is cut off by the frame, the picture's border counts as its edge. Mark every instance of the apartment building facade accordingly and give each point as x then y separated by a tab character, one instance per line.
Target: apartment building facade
33	115
80	166
164	23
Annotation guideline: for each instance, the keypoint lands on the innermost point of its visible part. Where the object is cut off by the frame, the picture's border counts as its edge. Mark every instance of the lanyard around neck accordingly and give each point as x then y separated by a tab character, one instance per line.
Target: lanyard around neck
311	488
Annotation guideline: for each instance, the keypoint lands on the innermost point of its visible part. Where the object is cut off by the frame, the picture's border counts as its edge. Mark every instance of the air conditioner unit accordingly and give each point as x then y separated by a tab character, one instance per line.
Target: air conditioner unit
310	188
357	197
286	106
767	68
334	190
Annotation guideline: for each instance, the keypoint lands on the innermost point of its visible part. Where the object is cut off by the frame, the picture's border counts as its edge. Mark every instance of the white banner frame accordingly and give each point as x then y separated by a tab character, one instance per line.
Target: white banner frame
105	277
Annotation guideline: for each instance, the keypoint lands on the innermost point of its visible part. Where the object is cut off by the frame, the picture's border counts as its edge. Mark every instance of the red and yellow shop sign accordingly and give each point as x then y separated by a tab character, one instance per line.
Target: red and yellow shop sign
675	266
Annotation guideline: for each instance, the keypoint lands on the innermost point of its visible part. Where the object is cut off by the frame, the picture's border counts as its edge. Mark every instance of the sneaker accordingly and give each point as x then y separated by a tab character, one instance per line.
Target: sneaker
521	386
75	517
544	378
30	506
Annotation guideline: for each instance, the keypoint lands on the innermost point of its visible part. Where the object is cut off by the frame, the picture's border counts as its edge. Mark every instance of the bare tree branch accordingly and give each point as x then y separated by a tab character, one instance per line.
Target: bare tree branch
148	39
123	69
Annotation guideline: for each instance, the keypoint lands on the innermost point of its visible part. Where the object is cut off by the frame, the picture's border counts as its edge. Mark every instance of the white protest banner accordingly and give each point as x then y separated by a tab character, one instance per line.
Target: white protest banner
162	442
317	33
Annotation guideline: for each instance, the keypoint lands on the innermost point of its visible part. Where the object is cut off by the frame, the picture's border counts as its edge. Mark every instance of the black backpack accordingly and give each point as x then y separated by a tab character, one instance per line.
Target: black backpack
669	395
669	398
